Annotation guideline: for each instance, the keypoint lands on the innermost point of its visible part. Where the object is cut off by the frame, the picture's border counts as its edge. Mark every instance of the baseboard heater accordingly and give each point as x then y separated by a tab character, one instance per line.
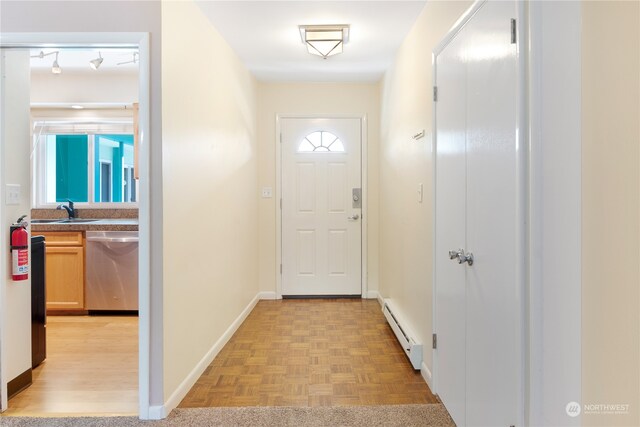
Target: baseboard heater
405	337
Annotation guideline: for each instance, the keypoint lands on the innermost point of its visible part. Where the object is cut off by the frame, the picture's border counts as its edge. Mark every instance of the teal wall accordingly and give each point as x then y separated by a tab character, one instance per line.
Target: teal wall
72	168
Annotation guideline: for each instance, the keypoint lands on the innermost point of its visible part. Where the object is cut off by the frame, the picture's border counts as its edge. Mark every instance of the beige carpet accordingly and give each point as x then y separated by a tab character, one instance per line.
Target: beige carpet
387	416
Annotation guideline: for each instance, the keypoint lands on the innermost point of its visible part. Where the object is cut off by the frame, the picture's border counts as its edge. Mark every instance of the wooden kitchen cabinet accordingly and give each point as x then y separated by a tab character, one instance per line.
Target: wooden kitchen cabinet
64	271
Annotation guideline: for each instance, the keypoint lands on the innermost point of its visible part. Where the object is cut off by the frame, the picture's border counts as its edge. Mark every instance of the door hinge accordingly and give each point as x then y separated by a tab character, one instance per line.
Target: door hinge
435	94
513	31
280	268
435	341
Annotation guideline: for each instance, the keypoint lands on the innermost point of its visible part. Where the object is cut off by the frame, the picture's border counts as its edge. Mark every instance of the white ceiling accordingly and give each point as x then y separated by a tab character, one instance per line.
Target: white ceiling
77	60
265	36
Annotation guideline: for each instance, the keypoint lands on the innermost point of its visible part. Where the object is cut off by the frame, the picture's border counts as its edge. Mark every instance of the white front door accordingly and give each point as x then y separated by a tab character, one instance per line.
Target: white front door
321	206
479	199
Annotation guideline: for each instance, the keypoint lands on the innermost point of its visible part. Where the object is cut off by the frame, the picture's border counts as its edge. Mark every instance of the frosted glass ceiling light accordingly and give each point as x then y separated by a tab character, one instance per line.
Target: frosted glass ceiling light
324	40
95	63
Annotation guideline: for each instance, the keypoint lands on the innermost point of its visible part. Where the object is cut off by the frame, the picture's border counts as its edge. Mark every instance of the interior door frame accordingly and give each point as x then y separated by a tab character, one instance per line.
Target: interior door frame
363	182
522	171
141	41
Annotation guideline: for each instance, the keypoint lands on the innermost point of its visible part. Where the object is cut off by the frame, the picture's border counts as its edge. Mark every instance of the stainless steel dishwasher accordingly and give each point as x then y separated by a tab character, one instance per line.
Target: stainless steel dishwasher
112	270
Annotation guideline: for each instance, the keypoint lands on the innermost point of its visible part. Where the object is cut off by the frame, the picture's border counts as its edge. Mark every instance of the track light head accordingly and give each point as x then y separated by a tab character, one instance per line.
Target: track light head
95	63
55	67
133	61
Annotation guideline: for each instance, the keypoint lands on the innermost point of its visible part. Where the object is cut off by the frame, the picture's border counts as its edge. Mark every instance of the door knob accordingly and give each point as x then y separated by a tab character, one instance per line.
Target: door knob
461	256
468	258
353	217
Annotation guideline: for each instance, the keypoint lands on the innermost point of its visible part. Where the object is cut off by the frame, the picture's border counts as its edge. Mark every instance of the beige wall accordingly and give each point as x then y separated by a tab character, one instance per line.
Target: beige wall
14	167
210	189
79	87
611	209
320	99
405	224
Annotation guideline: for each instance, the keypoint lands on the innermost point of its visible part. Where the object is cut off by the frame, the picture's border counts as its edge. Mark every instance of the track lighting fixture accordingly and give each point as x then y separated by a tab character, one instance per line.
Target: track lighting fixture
133	61
55	67
95	63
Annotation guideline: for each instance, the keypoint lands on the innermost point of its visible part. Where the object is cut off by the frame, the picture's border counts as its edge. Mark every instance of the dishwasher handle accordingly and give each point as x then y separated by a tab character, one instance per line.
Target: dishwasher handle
113	239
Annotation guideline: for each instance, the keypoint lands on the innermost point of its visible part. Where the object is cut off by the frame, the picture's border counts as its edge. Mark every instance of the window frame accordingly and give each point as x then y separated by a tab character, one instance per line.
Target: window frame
128	178
108	163
91	128
327	149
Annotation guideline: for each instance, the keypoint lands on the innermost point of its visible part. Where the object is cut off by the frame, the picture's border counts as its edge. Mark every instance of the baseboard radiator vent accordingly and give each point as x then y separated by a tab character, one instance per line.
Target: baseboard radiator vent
405	337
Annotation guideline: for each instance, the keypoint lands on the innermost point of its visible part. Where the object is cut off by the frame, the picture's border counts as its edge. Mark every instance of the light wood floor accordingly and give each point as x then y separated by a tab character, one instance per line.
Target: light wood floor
311	353
91	368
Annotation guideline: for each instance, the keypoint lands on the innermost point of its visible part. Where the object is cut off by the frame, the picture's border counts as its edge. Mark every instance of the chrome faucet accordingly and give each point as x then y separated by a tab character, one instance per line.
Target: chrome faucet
70	210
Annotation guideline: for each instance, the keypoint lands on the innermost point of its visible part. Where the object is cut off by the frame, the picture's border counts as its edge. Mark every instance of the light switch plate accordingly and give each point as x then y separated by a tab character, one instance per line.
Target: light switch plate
12	194
420	193
267	192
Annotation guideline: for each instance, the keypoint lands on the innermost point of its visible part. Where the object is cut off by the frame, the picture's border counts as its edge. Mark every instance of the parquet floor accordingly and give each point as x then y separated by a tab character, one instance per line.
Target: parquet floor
329	352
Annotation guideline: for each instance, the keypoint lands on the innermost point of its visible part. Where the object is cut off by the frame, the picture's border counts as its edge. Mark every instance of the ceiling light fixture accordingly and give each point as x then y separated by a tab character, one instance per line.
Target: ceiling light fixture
95	63
133	61
55	67
324	40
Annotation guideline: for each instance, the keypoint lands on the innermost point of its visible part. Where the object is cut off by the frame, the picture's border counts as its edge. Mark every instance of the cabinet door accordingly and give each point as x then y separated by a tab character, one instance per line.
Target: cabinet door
65	278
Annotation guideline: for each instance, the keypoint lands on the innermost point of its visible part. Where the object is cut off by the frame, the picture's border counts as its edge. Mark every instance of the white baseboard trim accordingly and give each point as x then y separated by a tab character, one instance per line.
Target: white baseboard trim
267	295
160	412
156	413
426	374
380	300
372	295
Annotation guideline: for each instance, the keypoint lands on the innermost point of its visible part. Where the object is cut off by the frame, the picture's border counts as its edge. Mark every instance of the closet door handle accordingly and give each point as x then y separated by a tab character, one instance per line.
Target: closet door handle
461	256
468	258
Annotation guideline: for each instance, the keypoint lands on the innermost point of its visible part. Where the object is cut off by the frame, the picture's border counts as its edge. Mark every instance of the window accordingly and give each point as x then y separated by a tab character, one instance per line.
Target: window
105	182
87	168
128	185
321	141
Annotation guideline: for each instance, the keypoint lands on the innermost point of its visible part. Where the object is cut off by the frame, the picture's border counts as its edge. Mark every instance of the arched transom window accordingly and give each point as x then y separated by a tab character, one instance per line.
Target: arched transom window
321	141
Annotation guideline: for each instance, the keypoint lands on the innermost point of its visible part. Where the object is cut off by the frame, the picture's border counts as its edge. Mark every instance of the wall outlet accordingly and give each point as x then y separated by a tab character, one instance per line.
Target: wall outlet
12	194
267	192
420	193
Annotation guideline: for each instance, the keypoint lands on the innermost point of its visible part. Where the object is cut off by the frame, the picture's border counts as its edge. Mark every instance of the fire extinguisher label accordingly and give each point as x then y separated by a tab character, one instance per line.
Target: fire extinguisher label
20	261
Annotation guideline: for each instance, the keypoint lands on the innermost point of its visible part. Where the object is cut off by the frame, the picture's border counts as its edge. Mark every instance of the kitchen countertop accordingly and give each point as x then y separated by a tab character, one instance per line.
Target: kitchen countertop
111	224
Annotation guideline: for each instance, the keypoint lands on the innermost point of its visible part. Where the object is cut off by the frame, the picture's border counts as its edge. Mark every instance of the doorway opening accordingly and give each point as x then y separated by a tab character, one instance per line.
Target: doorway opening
87	114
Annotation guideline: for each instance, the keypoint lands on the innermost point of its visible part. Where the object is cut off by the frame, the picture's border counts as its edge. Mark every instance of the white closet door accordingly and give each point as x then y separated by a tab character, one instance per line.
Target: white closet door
450	204
493	304
479	68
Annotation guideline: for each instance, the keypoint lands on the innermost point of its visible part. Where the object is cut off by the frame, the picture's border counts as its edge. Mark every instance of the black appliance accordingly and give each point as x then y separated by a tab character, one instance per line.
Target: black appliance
38	302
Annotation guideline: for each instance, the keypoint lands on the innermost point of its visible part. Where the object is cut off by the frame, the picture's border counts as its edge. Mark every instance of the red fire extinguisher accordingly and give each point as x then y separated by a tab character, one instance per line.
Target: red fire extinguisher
20	250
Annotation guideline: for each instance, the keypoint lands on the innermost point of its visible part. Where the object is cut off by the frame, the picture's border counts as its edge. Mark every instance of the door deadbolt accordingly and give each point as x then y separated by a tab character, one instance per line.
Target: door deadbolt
356	197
